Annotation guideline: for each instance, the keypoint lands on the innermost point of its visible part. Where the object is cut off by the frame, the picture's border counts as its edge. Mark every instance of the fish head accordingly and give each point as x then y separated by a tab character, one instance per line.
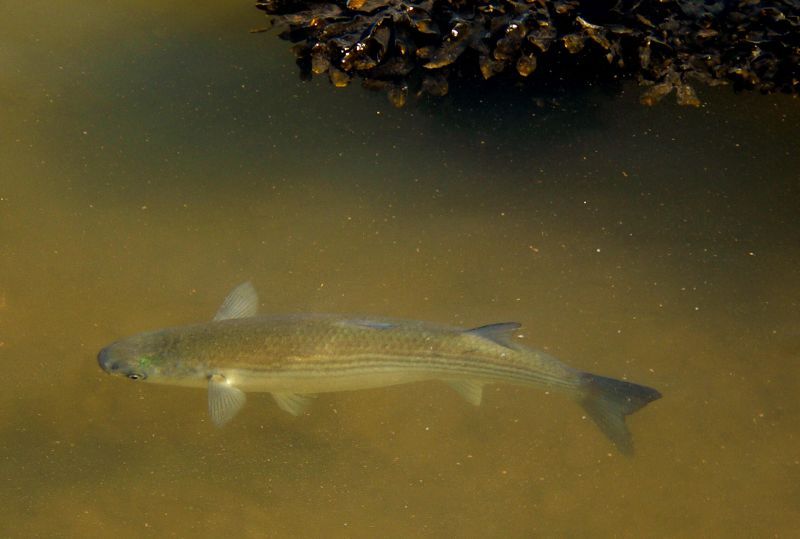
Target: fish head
137	358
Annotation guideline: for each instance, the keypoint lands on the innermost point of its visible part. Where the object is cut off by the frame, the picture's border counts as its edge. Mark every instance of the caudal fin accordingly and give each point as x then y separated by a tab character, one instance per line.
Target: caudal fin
607	401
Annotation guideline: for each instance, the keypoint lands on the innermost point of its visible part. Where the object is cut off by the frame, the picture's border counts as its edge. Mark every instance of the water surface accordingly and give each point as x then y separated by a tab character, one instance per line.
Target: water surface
156	155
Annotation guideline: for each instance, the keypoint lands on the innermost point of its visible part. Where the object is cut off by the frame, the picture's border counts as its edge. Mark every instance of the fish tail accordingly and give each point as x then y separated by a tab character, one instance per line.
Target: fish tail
607	401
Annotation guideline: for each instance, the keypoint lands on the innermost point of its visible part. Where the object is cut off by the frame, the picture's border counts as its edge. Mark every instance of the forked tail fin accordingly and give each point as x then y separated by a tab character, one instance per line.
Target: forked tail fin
607	401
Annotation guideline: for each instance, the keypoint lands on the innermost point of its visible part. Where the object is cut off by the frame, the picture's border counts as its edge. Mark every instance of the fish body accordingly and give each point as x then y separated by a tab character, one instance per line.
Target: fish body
324	353
293	357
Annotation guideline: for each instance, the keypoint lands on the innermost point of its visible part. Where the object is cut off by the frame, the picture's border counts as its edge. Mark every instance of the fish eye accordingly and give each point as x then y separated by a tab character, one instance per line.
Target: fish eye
134	376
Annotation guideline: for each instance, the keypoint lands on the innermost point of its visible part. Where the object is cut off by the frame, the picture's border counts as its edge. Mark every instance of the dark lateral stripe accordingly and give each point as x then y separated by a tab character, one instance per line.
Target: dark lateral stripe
357	364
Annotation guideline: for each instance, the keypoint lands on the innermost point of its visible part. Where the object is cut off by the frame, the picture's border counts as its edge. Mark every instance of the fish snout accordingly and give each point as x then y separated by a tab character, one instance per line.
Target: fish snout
118	359
106	361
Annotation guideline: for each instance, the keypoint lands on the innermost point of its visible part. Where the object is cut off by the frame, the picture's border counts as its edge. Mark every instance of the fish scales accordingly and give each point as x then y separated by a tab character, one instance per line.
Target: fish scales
321	353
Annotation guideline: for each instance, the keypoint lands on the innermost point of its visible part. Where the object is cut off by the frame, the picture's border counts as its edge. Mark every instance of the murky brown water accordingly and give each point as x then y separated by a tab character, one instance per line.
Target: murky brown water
155	155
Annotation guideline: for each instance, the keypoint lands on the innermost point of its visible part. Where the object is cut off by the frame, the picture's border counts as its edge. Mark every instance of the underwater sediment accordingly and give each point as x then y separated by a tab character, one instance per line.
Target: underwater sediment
414	47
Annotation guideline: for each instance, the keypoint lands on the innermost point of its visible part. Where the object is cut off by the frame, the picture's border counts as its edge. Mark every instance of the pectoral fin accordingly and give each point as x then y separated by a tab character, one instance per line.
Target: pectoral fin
471	391
242	302
292	402
224	400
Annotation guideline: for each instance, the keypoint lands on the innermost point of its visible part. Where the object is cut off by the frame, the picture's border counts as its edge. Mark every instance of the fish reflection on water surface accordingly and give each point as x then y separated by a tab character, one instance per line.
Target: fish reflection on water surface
294	357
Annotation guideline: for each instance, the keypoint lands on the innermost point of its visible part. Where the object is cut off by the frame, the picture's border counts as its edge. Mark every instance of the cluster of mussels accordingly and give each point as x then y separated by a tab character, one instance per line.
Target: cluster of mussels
417	46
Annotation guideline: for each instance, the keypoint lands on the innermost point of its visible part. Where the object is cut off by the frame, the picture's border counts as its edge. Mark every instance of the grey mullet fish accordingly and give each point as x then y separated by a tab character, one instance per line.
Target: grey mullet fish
294	357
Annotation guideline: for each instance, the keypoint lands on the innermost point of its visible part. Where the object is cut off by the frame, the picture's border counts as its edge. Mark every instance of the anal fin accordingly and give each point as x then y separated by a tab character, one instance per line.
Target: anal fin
469	389
292	402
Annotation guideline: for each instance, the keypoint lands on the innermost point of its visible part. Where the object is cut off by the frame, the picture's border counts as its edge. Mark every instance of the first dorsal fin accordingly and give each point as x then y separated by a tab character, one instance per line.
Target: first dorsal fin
501	333
242	302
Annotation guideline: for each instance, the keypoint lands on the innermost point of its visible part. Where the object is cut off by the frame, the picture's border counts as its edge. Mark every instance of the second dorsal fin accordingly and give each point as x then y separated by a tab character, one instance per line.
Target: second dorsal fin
501	333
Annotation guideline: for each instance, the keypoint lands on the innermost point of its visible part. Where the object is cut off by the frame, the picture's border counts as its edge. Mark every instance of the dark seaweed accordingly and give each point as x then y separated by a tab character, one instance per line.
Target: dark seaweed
422	46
